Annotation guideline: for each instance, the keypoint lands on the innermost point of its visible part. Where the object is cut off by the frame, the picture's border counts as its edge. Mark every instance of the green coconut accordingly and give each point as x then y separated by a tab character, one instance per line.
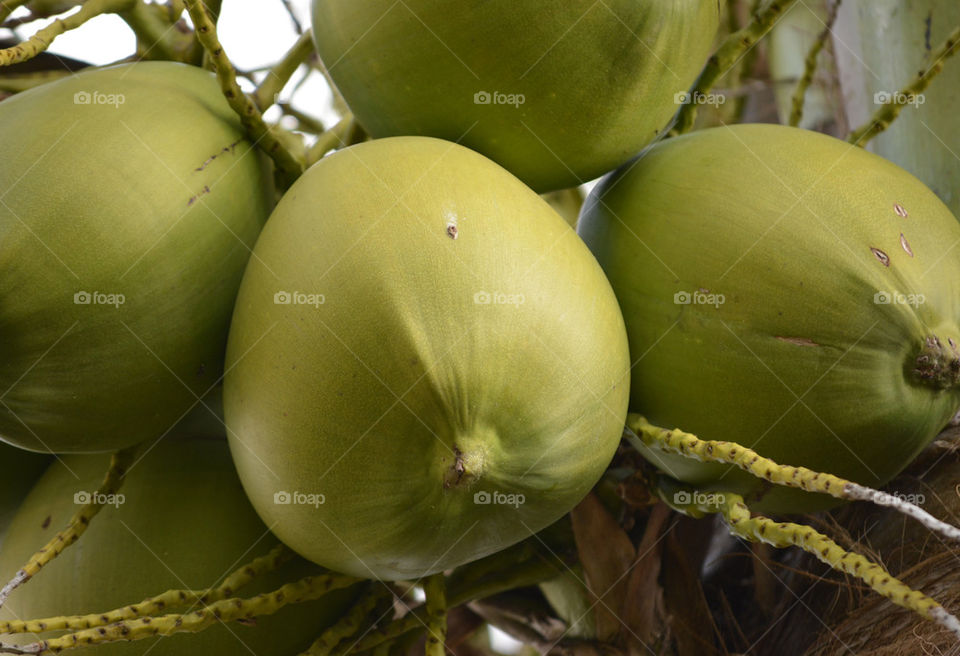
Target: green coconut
558	93
18	471
424	346
131	201
787	291
180	521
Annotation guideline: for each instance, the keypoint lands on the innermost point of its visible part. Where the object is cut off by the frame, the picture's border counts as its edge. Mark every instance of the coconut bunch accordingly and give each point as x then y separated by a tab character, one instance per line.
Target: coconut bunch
447	400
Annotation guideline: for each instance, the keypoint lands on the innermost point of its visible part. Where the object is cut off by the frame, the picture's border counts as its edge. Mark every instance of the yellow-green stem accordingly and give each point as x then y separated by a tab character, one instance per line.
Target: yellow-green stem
78	524
251	118
278	76
156	604
727	56
887	114
42	39
810	66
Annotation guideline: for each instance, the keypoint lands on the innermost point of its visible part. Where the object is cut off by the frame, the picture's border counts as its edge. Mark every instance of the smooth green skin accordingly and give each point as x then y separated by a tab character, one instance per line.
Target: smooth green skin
885	44
599	79
185	523
366	398
98	198
719	210
18	471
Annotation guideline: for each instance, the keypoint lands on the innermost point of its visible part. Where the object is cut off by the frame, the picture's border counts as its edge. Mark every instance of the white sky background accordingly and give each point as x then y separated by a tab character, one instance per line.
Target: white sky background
255	34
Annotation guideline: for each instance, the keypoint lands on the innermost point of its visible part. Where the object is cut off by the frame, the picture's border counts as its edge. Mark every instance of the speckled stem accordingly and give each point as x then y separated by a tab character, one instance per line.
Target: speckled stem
810	66
727	56
888	113
785	534
159	603
78	524
350	624
689	445
435	589
226	610
40	41
251	118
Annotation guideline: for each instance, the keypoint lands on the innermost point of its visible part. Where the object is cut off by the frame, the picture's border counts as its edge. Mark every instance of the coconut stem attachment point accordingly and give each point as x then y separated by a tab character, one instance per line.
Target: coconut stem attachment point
938	365
784	534
112	481
225	610
169	599
640	431
435	589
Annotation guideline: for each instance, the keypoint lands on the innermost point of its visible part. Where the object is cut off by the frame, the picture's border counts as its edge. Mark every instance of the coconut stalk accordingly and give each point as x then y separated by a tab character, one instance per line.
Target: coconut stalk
880	46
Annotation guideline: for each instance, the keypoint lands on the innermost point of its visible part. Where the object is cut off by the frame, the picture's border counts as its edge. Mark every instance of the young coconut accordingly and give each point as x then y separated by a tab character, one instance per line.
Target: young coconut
788	293
426	364
517	81
131	201
181	522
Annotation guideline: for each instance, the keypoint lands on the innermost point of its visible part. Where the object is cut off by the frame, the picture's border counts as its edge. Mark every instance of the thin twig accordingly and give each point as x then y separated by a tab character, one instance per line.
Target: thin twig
810	66
727	56
44	37
243	105
888	113
278	76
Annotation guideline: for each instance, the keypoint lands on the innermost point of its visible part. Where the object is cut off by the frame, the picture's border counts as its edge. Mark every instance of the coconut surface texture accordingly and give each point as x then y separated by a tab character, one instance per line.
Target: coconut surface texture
422	341
786	291
180	521
558	93
131	200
